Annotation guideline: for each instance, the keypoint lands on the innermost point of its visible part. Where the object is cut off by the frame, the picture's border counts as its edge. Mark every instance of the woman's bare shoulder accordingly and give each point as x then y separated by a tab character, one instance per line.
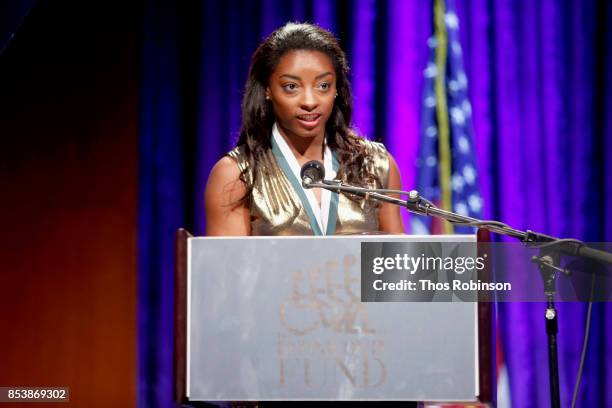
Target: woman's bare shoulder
226	169
225	178
226	211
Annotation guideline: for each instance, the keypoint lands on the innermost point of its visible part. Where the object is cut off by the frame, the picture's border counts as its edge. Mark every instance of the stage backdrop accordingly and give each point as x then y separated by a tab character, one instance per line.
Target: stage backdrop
540	84
68	188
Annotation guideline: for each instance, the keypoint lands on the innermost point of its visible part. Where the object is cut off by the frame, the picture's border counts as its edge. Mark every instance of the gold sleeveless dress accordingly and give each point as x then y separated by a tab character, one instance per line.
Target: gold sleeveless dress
276	208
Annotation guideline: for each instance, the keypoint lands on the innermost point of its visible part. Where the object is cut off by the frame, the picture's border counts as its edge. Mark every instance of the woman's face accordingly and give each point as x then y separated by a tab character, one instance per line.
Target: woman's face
302	90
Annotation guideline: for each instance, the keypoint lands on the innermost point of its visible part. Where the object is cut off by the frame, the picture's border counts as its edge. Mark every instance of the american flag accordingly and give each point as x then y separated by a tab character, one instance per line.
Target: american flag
446	164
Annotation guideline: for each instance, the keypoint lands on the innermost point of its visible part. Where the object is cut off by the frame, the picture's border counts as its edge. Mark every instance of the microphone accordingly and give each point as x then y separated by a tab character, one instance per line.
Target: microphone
312	172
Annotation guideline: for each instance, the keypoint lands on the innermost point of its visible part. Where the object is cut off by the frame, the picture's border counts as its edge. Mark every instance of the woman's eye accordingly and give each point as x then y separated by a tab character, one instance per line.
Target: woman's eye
290	87
324	86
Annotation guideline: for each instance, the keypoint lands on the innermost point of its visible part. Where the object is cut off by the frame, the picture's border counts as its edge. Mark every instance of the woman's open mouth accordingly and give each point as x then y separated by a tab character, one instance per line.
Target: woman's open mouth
309	120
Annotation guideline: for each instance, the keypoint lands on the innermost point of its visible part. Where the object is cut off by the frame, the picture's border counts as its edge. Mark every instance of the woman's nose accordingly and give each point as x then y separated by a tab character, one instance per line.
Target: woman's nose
309	100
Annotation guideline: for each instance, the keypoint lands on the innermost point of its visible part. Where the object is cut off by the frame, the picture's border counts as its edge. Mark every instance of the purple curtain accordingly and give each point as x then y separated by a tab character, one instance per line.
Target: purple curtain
540	85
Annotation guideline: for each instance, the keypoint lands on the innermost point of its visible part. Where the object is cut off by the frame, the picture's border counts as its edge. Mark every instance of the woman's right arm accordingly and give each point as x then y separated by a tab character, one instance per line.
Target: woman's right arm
226	215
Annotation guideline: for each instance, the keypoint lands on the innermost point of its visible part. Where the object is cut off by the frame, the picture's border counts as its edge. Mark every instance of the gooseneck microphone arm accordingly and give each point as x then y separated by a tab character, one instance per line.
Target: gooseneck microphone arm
421	206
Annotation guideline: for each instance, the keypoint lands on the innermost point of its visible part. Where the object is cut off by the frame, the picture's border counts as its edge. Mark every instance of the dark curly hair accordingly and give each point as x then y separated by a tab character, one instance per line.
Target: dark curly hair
258	117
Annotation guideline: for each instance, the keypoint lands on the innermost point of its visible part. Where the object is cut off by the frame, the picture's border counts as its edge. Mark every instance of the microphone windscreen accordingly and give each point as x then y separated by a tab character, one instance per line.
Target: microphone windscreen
314	170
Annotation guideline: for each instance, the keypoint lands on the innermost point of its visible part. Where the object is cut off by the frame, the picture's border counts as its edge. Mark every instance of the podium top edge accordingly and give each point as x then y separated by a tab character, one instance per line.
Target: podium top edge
381	237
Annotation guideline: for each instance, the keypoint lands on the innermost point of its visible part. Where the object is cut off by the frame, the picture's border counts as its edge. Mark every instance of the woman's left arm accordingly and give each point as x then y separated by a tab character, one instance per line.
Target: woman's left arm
389	218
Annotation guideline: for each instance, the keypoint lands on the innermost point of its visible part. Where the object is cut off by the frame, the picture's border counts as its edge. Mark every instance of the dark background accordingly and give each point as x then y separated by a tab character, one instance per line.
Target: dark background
68	181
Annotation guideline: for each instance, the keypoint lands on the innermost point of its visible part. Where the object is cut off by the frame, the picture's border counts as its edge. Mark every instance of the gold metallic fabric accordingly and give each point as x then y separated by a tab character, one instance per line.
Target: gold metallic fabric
276	209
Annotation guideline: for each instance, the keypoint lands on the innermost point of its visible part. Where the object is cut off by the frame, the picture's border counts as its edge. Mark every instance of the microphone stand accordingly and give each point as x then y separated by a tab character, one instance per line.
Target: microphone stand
548	260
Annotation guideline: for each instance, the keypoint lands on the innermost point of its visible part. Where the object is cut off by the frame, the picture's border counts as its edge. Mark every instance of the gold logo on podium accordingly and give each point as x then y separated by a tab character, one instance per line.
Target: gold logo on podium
326	337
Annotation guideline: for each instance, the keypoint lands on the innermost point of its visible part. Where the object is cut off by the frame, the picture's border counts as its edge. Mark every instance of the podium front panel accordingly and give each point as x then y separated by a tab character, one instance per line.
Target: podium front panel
272	318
